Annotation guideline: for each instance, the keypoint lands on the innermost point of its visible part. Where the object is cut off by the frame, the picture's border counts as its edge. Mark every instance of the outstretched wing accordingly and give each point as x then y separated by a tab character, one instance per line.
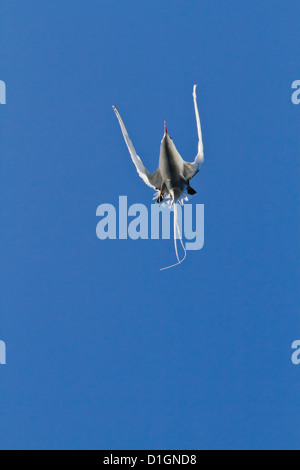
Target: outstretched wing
153	180
190	169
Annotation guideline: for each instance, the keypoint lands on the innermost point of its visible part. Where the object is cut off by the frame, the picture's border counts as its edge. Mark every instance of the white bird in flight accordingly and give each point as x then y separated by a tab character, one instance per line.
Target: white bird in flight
172	178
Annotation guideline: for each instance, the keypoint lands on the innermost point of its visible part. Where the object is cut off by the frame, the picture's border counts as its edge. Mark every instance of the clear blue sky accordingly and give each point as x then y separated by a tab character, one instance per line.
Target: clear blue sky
103	350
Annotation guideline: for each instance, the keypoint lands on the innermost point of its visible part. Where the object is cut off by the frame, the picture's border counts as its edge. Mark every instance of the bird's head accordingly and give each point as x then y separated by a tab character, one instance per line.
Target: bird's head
166	136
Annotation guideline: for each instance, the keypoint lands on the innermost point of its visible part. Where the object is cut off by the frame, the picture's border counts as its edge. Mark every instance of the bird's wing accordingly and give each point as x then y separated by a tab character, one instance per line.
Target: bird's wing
190	169
156	179
151	179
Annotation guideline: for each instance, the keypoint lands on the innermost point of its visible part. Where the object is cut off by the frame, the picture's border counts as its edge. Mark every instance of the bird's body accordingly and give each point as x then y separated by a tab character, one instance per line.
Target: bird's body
174	171
172	178
171	168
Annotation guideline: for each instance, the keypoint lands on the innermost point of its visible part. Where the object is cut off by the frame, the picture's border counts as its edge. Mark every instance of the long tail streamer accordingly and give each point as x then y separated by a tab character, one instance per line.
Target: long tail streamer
176	230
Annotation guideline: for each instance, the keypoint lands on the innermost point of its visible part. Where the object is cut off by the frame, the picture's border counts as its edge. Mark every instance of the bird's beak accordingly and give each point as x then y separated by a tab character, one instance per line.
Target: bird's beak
166	128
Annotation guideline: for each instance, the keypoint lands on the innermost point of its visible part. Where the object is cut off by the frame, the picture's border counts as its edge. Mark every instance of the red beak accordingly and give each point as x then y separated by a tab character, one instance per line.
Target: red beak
166	128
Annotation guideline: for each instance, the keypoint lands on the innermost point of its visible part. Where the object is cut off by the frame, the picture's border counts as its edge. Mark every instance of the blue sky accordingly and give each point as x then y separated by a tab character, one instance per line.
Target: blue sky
103	350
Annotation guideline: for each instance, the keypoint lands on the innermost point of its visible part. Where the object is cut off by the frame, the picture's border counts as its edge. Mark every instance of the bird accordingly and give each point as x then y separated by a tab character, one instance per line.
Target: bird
172	178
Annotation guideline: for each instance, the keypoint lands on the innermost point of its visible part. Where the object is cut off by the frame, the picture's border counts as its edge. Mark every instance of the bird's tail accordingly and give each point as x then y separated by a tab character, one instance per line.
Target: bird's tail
176	230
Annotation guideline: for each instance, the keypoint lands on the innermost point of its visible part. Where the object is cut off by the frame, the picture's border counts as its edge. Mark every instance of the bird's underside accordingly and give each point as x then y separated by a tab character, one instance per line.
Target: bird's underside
172	178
